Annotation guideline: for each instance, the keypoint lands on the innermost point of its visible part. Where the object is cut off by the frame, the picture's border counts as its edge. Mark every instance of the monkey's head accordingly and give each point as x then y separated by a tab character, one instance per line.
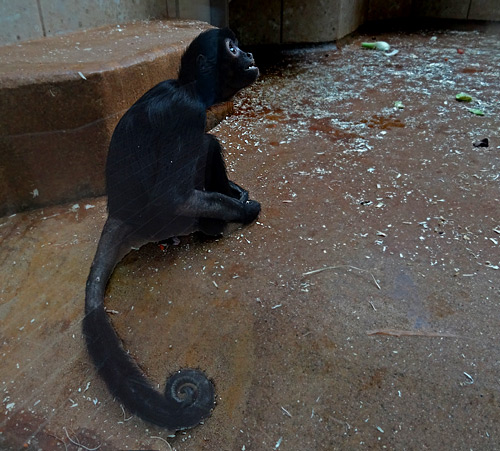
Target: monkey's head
217	65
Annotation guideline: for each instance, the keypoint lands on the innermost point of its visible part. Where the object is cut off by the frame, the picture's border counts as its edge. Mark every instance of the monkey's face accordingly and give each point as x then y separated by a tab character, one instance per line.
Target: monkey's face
242	61
237	68
217	65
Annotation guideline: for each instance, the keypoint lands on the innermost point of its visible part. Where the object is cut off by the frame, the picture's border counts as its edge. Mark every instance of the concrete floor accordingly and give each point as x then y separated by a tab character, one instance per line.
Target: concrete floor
393	346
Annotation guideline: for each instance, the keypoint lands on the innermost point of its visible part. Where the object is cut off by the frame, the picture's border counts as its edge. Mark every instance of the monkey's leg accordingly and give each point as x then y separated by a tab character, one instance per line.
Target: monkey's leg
216	176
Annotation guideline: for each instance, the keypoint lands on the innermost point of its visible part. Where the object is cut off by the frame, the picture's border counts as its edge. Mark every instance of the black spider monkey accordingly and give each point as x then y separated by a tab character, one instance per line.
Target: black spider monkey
166	177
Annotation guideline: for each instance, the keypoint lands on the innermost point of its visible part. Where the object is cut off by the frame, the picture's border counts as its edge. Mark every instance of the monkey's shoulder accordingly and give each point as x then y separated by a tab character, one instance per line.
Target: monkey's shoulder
169	103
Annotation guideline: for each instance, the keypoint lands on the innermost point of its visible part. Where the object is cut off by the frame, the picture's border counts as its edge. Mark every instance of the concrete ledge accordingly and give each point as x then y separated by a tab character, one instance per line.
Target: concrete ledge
61	97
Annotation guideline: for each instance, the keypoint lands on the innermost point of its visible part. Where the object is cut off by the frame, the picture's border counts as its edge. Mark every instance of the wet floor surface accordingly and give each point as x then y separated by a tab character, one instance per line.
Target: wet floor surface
361	311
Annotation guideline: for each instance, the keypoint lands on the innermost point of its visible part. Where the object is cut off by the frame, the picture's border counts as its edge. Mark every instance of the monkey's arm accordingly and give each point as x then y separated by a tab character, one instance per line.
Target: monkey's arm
216	176
213	205
238	192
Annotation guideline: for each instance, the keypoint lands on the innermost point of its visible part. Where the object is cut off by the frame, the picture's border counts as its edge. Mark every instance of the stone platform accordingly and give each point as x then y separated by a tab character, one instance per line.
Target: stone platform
61	97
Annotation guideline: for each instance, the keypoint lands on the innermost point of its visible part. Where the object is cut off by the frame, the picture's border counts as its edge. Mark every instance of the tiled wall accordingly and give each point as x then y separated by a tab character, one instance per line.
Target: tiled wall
257	21
21	20
388	9
300	16
290	21
189	9
442	9
484	10
352	15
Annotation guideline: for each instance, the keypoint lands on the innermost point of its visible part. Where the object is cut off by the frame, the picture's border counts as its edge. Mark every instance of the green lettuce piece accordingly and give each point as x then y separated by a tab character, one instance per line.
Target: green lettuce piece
476	111
462	97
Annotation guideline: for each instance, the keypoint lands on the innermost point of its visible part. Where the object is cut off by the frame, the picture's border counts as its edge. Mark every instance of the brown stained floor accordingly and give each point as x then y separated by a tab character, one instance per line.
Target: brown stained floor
395	345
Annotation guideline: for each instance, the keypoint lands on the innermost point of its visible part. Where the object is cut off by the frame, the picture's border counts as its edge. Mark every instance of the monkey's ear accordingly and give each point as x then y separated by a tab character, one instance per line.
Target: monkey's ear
202	63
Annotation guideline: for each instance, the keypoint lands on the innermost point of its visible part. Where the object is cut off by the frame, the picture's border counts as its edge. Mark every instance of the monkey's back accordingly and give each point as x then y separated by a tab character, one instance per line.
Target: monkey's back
155	153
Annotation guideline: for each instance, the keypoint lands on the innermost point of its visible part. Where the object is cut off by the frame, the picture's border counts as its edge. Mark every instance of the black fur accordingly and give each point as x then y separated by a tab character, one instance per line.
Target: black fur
166	177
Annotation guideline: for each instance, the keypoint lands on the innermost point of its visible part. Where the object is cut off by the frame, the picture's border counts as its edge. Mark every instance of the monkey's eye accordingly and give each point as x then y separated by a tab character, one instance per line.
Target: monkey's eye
231	47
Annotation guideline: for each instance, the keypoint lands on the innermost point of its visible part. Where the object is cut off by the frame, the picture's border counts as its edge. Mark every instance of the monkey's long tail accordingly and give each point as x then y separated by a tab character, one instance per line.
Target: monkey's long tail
189	395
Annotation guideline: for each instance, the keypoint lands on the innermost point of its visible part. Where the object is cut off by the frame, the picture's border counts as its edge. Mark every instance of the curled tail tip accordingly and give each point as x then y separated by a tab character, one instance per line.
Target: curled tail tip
189	395
194	395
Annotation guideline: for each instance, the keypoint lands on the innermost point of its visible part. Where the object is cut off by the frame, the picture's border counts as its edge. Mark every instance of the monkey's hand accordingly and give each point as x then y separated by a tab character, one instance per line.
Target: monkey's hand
238	192
252	210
